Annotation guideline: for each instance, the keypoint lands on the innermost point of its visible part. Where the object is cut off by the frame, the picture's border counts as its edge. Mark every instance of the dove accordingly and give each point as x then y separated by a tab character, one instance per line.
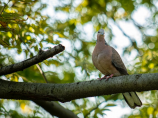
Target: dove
108	61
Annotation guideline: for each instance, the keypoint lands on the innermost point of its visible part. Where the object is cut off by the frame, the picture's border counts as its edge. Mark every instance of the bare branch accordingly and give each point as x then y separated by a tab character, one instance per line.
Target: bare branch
136	24
68	92
42	55
131	39
126	35
37	65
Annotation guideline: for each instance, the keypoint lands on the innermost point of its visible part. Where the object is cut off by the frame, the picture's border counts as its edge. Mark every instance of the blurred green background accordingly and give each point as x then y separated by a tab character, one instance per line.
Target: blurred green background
131	27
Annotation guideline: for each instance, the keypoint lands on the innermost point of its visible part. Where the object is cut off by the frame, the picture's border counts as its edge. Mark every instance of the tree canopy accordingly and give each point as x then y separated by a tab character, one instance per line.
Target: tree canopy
30	27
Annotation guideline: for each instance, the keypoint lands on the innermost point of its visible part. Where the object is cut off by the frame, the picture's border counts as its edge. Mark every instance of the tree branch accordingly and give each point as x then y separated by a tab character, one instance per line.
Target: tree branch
68	92
42	55
51	107
55	109
37	65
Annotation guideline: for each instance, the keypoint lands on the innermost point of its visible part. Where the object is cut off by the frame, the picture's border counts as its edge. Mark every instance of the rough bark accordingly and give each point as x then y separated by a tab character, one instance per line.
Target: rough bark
41	56
68	92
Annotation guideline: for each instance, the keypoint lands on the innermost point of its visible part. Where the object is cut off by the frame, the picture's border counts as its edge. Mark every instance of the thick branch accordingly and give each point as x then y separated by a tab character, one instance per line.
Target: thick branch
68	92
55	109
42	55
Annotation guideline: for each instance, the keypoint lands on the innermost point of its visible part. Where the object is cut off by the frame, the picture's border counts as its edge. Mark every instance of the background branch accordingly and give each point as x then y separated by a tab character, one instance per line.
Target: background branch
37	65
42	55
55	109
126	35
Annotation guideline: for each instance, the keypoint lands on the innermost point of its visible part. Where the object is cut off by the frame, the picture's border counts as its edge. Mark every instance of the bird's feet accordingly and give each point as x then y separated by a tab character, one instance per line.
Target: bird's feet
109	76
102	77
106	77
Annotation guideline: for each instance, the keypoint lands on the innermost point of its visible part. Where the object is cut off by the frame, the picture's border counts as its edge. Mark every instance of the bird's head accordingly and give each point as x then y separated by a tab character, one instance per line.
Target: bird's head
100	34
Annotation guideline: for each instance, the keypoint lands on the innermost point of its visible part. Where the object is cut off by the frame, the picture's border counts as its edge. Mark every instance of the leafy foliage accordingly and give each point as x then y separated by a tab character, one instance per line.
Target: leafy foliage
25	26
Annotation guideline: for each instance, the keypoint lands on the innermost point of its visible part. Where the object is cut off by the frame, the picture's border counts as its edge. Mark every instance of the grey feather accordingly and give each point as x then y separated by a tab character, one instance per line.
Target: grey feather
118	63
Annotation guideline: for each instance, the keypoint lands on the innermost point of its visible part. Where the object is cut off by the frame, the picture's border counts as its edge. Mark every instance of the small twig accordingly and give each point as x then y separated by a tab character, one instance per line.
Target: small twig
3	8
139	26
136	24
41	71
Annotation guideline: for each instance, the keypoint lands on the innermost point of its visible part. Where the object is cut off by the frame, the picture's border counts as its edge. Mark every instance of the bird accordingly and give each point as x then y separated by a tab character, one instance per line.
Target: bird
108	61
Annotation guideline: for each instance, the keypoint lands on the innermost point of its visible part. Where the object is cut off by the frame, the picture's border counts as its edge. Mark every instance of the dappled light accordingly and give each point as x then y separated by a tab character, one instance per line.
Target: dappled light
30	28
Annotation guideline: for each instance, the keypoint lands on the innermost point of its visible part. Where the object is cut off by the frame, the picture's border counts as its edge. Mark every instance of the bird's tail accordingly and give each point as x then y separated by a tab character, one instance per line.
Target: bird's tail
132	99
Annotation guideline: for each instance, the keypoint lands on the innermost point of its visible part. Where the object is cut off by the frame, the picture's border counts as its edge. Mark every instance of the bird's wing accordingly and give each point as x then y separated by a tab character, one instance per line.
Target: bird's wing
118	63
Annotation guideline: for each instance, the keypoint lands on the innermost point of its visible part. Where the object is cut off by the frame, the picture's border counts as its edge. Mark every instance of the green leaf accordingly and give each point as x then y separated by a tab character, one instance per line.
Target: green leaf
110	105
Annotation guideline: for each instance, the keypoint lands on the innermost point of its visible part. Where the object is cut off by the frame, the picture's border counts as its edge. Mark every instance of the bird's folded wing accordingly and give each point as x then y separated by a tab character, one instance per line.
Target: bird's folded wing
118	63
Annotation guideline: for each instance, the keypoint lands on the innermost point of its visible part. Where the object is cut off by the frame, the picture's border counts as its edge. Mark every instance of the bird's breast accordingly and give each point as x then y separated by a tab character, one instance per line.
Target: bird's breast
102	60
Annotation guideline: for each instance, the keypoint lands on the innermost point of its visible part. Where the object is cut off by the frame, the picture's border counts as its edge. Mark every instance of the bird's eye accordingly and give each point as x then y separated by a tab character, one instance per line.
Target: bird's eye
98	32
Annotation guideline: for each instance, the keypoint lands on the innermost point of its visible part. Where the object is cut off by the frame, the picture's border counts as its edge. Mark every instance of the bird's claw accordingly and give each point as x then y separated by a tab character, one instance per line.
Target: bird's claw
102	77
109	76
106	77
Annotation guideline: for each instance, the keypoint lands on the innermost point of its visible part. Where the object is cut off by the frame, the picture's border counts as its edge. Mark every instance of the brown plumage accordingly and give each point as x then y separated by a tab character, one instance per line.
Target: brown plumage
107	60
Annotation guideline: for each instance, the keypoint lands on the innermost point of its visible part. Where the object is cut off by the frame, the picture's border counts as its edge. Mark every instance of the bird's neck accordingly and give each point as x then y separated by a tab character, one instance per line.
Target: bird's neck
101	41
